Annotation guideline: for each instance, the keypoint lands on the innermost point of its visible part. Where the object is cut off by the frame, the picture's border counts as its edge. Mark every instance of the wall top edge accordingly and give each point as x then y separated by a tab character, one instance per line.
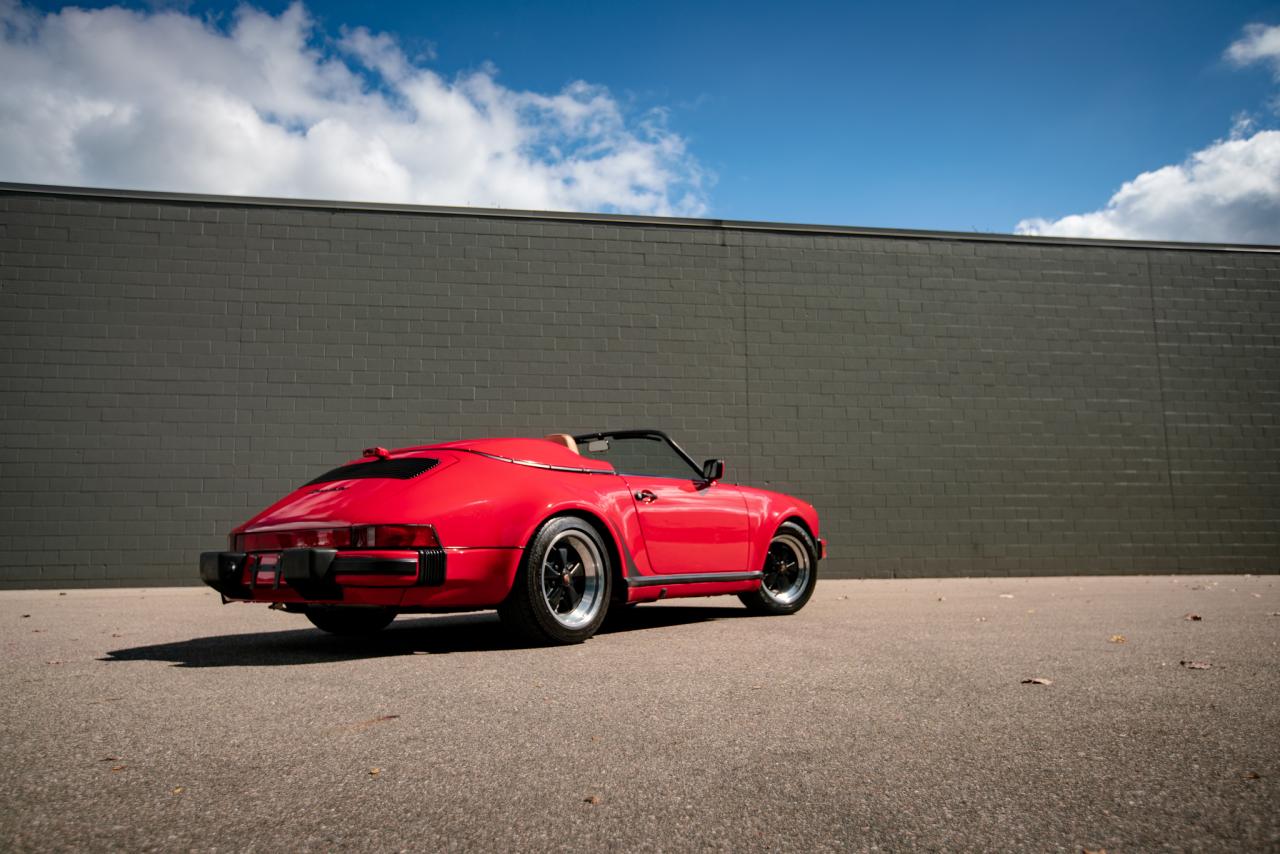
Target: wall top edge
10	188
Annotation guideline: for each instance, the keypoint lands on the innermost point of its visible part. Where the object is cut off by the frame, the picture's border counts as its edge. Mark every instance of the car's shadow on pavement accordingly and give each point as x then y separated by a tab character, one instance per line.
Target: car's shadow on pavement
409	635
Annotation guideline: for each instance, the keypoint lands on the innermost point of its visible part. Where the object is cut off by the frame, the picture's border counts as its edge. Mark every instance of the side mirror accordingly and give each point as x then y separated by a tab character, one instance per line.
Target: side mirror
712	470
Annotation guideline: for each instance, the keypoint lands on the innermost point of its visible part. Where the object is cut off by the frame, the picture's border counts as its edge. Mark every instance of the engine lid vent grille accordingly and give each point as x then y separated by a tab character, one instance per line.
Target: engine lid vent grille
403	468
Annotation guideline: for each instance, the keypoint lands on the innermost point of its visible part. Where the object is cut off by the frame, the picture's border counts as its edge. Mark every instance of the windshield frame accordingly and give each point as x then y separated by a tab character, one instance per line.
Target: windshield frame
646	434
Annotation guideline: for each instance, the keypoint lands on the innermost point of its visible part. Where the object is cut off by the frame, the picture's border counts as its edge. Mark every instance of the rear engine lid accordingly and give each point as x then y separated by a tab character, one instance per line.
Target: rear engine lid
371	490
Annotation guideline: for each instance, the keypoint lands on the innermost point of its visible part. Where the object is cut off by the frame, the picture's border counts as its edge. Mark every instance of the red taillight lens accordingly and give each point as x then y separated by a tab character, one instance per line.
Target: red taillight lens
309	538
359	537
395	537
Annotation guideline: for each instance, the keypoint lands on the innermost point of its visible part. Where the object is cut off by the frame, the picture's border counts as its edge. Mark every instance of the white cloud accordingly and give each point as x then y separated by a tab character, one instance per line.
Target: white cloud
1227	192
268	106
1260	44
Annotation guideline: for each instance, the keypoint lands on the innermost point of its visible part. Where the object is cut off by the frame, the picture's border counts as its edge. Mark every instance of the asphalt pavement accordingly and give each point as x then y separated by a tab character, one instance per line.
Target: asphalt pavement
887	715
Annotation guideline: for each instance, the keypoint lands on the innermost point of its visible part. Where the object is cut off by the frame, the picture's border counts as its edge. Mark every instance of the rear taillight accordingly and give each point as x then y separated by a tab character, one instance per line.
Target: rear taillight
394	537
308	538
359	537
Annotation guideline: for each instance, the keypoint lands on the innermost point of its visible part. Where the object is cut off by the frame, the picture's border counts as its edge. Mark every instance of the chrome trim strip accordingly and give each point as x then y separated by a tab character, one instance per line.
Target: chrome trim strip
532	464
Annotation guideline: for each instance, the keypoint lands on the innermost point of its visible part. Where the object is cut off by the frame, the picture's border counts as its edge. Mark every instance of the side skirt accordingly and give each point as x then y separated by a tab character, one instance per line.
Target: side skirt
695	578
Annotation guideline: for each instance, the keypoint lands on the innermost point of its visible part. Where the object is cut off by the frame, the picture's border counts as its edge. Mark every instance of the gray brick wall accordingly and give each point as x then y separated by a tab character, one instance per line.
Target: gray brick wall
952	406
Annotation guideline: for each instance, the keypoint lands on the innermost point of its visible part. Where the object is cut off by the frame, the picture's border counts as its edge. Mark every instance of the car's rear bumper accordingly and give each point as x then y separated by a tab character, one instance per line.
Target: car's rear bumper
401	578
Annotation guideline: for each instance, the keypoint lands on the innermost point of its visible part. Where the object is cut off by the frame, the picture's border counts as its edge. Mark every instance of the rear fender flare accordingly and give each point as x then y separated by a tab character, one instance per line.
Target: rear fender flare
621	559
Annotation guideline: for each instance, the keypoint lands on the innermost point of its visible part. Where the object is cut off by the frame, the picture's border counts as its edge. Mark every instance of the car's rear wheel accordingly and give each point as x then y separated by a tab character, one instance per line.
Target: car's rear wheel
790	573
350	620
561	592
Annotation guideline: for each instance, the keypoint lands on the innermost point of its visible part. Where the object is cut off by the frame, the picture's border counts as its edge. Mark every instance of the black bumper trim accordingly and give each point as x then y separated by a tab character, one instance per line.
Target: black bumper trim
431	567
311	571
376	566
306	565
222	571
307	571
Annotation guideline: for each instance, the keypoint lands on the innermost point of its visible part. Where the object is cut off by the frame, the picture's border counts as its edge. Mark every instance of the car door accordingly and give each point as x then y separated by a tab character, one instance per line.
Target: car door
690	526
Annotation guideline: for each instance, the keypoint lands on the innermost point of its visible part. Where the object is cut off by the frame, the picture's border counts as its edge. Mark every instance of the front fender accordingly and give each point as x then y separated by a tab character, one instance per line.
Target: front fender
768	510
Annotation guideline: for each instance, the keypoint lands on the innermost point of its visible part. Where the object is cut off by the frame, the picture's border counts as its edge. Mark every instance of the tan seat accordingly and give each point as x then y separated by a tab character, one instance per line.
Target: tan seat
563	439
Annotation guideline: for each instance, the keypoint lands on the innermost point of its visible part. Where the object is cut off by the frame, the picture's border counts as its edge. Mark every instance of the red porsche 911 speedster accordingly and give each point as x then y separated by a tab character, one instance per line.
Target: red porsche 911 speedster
551	532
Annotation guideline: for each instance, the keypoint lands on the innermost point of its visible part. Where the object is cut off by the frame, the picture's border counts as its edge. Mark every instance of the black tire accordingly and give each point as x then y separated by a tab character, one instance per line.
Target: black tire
562	588
790	573
350	620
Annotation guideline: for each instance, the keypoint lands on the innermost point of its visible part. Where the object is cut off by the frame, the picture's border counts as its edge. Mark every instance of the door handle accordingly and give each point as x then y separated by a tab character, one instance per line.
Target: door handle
646	496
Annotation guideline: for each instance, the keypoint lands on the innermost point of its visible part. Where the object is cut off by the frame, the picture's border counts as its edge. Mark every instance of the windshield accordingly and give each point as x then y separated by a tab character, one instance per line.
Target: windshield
649	455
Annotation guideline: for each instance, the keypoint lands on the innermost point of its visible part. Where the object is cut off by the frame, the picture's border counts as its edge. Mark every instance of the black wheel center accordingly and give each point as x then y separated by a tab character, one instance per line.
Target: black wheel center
781	570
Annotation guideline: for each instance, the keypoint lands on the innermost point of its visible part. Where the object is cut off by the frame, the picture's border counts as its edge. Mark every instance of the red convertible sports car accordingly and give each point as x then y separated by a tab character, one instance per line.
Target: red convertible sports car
551	532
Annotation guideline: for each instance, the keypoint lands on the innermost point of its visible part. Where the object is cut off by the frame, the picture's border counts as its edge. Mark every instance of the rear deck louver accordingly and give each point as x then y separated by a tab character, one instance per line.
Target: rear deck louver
403	468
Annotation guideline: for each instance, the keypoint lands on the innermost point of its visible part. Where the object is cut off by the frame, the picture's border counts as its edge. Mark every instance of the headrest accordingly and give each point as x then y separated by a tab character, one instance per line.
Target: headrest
563	439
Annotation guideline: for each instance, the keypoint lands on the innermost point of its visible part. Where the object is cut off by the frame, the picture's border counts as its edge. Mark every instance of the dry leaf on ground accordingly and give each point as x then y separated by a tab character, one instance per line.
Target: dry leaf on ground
178	790
591	799
1036	680
1196	665
374	772
1252	775
1192	616
1117	639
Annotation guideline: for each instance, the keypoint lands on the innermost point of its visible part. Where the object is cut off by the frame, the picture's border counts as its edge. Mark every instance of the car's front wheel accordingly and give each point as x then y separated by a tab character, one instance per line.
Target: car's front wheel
350	620
790	573
561	592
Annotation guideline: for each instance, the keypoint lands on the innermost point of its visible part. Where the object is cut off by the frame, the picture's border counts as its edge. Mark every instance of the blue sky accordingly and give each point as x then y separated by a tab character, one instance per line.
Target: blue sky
926	115
931	115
